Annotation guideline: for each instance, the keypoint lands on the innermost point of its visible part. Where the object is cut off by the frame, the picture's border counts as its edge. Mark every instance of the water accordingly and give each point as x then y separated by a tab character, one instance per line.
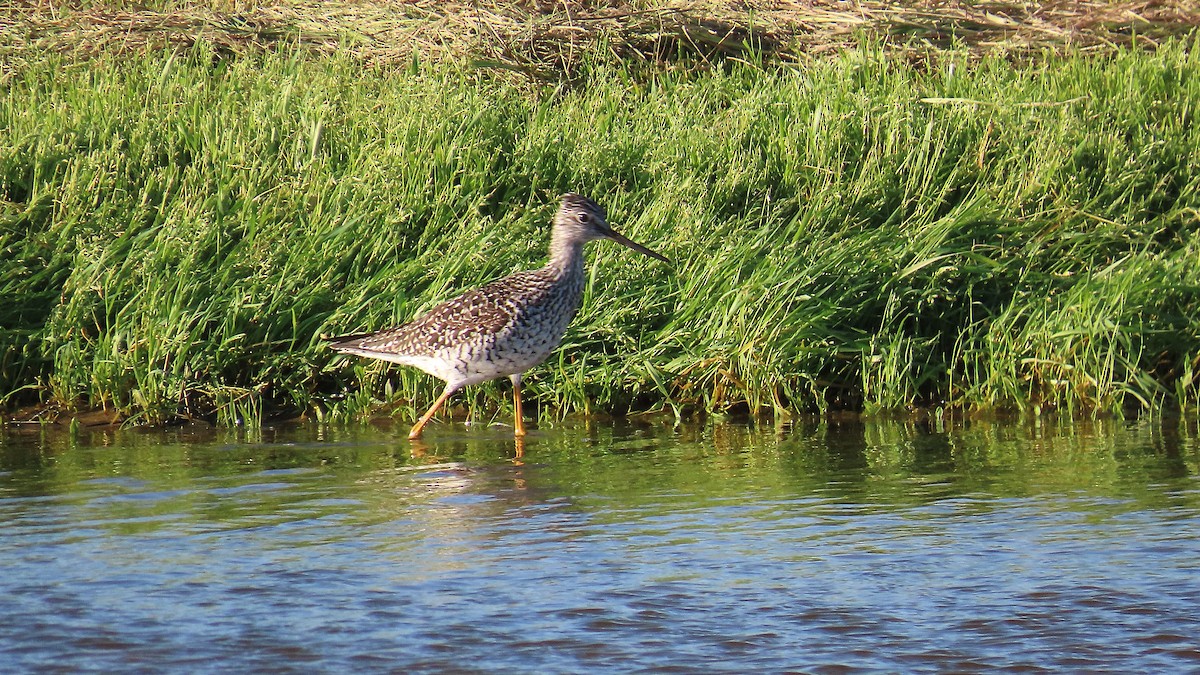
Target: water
819	547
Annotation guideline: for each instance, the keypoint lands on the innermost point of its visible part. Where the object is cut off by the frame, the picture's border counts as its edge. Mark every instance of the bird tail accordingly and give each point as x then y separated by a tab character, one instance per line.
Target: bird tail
343	342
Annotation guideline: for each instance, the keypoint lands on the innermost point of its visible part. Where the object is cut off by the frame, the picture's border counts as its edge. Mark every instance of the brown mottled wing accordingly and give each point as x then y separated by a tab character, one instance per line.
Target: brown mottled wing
471	317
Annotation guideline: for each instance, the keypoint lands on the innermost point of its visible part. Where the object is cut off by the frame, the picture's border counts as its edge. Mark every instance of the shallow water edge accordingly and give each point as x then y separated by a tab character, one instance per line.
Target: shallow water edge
833	547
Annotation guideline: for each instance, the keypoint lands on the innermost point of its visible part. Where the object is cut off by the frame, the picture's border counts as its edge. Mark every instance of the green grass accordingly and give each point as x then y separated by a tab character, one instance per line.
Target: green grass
177	232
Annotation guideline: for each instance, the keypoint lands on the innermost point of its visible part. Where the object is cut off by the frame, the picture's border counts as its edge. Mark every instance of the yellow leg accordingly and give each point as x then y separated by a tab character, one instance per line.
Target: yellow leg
420	425
518	418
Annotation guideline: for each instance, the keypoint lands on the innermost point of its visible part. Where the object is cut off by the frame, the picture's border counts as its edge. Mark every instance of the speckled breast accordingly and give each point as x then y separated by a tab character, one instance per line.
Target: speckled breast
540	314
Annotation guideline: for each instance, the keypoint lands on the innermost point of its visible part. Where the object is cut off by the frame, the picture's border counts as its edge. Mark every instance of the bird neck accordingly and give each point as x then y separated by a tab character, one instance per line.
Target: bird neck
566	256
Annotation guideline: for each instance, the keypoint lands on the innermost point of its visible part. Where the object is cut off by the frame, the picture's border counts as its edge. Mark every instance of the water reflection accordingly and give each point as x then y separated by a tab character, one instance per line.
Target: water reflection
624	546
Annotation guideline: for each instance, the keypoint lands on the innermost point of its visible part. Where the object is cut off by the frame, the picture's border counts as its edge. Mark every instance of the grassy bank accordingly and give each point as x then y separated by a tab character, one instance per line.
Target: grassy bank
555	40
178	231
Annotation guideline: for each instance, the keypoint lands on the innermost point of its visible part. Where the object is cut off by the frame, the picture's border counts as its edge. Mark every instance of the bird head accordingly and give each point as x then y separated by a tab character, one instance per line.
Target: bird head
582	219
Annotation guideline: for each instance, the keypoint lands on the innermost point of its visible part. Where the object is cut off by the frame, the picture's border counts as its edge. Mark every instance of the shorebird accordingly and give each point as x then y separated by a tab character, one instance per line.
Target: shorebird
503	328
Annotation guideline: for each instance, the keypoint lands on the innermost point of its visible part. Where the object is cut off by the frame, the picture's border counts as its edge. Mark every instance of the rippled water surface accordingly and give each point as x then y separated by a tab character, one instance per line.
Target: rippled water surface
816	547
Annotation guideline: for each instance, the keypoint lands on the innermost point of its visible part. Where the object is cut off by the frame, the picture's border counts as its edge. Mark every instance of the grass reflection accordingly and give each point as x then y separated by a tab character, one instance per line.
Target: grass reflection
202	480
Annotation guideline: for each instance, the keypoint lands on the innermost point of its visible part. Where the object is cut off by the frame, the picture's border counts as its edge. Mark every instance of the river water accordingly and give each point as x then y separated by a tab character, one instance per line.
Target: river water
821	546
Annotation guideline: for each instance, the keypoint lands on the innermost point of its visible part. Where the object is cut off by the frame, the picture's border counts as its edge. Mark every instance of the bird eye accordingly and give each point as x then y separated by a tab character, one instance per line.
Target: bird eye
585	218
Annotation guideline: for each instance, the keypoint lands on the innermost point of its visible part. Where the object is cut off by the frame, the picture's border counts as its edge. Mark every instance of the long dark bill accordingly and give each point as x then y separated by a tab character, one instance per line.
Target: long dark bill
612	234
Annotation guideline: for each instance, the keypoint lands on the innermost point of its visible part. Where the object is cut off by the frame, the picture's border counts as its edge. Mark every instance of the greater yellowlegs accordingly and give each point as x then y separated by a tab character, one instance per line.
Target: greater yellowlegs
503	328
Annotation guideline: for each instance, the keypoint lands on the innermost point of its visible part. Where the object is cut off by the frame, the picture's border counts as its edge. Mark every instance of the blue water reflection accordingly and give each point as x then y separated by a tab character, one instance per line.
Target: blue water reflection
819	547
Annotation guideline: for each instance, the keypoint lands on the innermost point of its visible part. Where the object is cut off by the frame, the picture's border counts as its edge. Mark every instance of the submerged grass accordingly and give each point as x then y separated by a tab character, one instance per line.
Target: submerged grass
179	231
